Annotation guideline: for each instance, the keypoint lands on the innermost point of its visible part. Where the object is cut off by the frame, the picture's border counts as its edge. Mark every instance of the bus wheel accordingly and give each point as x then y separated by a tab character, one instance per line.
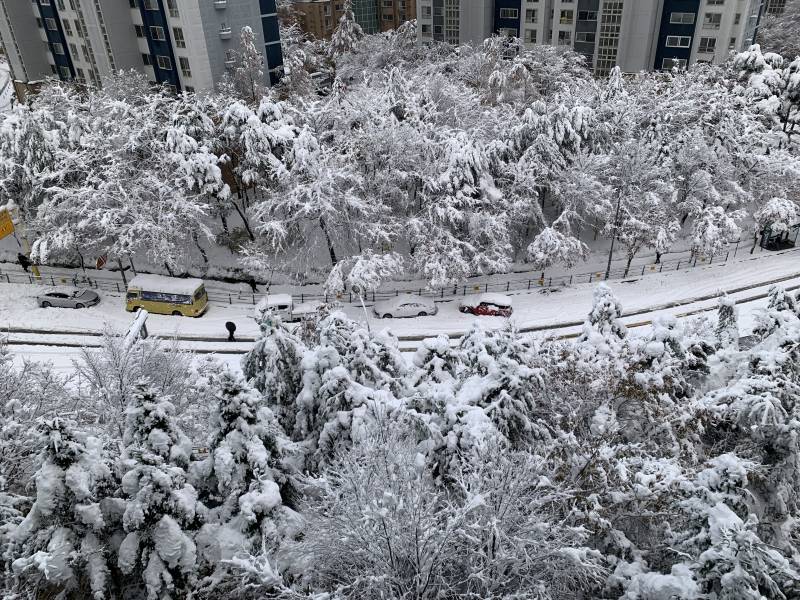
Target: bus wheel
177	313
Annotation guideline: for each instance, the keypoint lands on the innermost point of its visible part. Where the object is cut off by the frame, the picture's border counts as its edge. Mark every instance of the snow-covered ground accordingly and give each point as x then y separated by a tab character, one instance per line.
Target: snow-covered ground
557	312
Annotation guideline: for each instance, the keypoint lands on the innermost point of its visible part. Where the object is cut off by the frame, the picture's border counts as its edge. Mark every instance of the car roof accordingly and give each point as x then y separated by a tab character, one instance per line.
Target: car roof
403	298
274	300
498	299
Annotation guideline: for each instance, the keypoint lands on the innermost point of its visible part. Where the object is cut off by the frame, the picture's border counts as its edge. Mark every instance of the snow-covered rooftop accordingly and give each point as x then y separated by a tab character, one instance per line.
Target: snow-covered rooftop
169	285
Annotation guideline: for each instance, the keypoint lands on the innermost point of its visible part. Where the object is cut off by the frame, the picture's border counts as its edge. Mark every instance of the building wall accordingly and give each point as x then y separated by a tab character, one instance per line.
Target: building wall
366	14
27	54
319	17
393	13
102	36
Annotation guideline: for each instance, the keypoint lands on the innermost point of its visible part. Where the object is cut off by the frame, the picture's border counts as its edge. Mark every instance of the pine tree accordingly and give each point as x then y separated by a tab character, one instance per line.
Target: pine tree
242	484
375	361
161	509
249	73
727	331
60	546
603	329
272	367
780	310
347	33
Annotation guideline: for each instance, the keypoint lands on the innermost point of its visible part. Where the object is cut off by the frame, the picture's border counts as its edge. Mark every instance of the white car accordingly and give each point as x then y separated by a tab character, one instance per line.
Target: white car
407	305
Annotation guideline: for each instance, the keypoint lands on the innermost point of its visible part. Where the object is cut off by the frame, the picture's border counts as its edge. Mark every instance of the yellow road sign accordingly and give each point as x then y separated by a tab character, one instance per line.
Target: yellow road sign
6	225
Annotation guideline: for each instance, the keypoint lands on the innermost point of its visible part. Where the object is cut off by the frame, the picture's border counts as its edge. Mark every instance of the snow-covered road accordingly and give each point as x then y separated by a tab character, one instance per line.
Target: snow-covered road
553	313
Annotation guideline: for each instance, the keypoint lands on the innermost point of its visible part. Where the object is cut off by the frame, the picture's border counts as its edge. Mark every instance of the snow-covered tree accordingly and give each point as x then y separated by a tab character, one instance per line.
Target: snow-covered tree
60	547
603	329
347	33
780	310
727	330
272	366
161	510
248	74
780	33
241	483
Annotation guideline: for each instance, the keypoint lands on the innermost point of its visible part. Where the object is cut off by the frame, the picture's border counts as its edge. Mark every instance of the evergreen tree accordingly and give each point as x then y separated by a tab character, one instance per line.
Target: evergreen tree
347	33
727	331
61	545
248	76
780	310
603	329
161	508
272	366
242	484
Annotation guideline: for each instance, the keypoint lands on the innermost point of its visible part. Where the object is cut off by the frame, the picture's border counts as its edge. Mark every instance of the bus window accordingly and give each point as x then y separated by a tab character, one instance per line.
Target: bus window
198	295
133	295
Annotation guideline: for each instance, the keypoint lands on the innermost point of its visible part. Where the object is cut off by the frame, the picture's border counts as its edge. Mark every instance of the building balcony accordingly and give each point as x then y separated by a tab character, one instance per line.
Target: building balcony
220	3
225	33
230	63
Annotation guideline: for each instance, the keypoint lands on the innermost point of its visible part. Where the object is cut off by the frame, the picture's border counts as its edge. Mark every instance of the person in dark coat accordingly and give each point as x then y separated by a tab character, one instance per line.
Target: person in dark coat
24	261
231	327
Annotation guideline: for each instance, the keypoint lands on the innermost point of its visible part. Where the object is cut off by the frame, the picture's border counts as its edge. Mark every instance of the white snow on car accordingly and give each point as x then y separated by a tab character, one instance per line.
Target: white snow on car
406	305
280	304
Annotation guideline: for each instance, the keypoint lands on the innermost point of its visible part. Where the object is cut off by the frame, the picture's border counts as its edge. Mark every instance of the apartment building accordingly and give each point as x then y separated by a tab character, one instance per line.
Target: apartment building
185	44
320	17
634	34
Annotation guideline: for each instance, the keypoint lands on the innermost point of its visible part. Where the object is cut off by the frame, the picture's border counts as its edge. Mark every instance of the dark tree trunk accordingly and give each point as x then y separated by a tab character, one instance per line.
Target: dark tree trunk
331	251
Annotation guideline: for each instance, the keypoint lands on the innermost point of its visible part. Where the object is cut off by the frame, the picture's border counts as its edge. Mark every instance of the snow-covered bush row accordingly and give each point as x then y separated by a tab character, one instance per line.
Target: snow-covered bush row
663	466
461	160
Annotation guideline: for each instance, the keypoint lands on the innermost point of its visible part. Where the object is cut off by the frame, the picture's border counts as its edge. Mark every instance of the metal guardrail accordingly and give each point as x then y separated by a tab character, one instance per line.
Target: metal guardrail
451	292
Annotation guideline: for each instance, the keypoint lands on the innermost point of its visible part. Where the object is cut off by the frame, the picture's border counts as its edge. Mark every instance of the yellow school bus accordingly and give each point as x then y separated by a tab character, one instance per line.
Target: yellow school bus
167	295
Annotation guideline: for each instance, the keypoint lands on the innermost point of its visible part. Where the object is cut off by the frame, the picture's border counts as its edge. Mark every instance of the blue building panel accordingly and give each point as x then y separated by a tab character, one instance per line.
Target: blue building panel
158	18
56	36
683	29
506	23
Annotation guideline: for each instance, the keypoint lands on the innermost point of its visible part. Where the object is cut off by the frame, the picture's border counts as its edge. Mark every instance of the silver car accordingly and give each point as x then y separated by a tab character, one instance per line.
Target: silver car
78	299
406	305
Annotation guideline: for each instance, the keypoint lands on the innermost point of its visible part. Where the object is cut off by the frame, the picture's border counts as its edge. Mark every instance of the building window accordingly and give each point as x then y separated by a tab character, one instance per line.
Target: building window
73	50
587	15
180	42
678	41
157	33
712	20
139	30
39	23
78	30
80	76
230	56
132	3
186	70
44	2
732	44
58	49
737	19
86	56
60	5
67	27
51	24
189	89
673	63
65	72
509	13
707	44
53	69
150	4
437	29
173	9
530	36
164	63
531	15
564	38
715	2
147	59
426	12
426	28
585	36
566	17
682	18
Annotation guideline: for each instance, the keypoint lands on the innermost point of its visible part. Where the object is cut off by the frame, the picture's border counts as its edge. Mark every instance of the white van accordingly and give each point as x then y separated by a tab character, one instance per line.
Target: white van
280	304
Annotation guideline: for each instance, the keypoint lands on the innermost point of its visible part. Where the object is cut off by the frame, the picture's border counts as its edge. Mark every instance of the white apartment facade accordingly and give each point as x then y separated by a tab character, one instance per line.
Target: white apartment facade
184	44
634	34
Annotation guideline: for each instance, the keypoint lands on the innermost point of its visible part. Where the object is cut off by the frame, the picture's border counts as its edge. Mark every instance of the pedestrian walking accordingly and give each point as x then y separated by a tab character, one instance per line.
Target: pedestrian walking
231	327
24	261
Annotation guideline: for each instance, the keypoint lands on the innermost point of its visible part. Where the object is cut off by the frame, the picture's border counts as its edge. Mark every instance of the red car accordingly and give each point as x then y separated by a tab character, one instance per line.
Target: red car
490	305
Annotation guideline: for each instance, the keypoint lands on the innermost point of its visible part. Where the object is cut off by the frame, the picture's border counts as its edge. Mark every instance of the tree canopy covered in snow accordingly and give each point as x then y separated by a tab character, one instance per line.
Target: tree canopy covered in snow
661	464
460	160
